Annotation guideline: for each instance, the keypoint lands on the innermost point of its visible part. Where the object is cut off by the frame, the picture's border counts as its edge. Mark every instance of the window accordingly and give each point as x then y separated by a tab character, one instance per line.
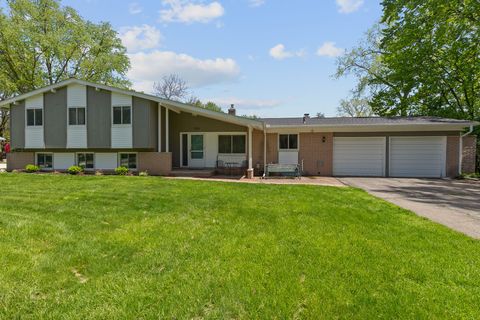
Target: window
288	141
76	116
231	144
45	160
85	160
128	160
122	115
34	117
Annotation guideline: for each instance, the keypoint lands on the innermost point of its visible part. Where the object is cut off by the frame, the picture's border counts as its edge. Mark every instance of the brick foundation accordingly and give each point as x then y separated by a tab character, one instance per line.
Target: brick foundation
155	163
18	160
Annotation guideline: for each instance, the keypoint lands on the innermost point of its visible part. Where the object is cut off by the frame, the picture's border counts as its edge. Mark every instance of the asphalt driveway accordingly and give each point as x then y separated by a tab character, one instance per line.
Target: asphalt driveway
453	203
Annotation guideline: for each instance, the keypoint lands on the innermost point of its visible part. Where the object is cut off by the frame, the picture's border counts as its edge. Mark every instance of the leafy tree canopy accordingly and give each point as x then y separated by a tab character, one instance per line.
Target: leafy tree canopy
422	59
42	43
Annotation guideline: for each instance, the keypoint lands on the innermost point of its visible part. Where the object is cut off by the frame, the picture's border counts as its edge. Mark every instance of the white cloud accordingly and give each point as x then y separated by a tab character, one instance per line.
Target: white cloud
135	8
256	3
349	6
279	53
330	50
187	11
246	104
138	38
150	67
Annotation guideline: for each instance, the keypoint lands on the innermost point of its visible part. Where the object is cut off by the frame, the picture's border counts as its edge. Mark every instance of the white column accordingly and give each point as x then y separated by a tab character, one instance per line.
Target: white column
167	129
264	149
159	128
250	148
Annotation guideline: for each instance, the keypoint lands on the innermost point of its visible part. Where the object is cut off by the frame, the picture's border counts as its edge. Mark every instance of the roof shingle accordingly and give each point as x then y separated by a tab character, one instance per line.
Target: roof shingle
298	121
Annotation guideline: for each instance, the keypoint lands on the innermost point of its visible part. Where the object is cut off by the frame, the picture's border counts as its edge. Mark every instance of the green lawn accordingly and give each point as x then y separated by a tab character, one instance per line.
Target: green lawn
145	247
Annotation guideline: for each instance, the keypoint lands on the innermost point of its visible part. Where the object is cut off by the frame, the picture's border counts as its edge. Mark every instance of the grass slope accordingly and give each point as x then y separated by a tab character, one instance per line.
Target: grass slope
136	247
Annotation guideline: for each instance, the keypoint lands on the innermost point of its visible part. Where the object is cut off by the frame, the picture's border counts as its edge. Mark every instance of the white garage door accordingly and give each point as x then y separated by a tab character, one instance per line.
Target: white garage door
417	156
359	156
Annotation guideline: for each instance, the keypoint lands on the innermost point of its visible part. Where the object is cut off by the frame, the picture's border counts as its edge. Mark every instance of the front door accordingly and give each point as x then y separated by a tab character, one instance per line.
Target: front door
196	155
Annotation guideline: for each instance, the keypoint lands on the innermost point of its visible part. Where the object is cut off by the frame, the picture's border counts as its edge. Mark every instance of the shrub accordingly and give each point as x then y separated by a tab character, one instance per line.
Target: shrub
121	171
75	170
31	168
143	174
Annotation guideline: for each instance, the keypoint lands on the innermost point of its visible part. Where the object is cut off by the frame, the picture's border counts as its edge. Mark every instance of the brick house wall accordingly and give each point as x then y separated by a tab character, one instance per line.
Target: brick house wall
469	154
257	150
18	160
453	144
155	163
316	152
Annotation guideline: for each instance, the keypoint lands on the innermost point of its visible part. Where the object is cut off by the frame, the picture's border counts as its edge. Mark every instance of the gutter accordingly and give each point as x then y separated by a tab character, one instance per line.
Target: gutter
460	150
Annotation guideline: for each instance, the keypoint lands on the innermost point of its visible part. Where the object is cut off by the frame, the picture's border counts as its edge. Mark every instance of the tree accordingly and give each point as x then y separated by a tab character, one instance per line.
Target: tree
4	118
320	115
354	107
171	87
194	101
424	59
376	83
435	45
42	43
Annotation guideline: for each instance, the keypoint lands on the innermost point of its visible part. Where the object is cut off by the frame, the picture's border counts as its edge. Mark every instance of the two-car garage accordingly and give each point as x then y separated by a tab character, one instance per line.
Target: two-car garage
394	156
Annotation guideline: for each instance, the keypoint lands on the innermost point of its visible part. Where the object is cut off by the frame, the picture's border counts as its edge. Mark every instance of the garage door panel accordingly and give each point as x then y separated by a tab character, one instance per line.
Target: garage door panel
417	157
359	156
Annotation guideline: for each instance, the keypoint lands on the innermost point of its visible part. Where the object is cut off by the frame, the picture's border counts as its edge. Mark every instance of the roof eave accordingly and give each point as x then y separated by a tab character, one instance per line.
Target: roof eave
167	103
374	127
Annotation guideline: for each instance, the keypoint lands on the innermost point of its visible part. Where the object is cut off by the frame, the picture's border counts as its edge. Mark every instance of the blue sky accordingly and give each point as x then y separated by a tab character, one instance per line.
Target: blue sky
269	57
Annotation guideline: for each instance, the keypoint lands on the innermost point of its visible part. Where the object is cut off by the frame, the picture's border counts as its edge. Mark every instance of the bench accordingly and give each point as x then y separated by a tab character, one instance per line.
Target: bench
292	170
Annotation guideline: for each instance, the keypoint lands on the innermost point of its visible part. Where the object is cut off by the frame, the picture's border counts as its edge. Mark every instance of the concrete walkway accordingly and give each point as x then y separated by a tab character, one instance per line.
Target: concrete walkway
453	203
318	181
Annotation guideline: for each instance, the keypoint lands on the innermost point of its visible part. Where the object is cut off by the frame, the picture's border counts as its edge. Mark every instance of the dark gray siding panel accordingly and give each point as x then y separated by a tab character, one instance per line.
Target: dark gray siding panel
153	125
144	123
17	125
99	120
186	122
55	118
163	128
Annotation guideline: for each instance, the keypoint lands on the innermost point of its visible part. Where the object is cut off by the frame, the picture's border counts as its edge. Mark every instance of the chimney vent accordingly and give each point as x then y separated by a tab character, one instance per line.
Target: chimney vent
232	110
305	117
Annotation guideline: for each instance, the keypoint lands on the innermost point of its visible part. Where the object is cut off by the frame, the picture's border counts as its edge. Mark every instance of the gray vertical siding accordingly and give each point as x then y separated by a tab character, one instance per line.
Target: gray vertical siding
17	125
153	128
144	123
99	118
55	118
163	128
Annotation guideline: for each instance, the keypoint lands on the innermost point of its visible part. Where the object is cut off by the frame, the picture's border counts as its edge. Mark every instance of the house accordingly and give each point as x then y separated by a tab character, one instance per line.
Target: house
101	127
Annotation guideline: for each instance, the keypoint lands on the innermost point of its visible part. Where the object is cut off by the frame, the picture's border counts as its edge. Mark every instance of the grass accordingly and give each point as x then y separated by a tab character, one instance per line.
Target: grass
144	247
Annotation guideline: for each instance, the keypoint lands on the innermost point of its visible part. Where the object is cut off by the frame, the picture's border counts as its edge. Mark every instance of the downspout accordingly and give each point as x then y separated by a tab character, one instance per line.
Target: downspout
460	150
264	148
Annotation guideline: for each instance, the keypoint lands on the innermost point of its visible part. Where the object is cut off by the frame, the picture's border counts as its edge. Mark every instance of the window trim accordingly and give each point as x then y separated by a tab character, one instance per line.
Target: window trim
121	116
94	158
76	114
34	117
119	155
288	135
231	145
44	153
